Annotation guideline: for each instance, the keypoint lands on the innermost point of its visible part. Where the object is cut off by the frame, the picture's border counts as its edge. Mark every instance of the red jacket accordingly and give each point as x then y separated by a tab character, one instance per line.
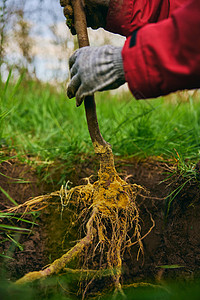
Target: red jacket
166	54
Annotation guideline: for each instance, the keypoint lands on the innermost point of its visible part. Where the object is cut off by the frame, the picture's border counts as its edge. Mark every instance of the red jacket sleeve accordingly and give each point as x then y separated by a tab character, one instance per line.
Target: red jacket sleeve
125	16
166	56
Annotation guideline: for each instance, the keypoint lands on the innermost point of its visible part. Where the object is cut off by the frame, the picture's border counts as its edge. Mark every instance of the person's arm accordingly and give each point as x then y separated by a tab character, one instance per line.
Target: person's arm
126	16
161	58
166	56
121	16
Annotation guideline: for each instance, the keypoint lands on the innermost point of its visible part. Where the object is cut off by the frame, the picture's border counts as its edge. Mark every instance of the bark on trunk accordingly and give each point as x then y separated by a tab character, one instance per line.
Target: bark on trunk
89	102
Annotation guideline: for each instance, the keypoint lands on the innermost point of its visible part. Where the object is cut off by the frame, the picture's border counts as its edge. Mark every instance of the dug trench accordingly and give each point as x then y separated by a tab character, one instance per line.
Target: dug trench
171	250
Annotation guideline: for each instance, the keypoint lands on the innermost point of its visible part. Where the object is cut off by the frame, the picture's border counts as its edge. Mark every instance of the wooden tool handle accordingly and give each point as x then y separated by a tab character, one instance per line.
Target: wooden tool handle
89	102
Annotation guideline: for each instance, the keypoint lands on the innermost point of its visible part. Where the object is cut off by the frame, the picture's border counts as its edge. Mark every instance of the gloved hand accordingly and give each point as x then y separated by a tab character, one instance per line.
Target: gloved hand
96	12
95	69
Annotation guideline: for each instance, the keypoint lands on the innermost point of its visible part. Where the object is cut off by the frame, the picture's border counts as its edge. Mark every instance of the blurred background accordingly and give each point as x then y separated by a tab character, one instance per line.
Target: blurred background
34	38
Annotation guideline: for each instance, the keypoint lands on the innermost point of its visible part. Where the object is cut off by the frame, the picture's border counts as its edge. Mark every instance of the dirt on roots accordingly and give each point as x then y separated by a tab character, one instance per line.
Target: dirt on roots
174	241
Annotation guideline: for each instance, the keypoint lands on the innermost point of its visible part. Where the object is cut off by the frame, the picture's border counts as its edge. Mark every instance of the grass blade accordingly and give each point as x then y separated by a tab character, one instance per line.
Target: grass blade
170	266
8	196
15	242
13	228
6	256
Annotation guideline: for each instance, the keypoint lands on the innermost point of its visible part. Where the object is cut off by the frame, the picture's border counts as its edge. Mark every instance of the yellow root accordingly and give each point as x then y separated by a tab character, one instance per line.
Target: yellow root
60	263
113	225
35	204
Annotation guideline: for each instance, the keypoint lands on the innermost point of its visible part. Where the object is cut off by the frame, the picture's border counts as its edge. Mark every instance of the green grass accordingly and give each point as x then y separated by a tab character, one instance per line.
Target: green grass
37	120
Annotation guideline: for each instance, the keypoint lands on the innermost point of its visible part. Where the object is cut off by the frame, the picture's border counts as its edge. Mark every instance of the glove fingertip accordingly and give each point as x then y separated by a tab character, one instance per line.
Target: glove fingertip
79	101
69	94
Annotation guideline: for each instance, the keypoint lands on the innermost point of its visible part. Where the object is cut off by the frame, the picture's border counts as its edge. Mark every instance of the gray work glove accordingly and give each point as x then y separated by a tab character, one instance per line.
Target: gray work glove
95	69
95	11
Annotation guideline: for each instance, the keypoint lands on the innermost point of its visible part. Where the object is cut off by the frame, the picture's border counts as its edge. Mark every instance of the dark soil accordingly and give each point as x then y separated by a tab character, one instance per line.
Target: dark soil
174	243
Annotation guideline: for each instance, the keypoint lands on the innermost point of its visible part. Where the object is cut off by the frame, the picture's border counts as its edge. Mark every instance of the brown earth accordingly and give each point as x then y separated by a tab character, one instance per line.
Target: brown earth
173	243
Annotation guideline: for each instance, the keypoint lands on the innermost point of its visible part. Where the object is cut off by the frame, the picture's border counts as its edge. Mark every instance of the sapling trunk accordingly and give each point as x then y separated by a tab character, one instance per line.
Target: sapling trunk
89	102
80	25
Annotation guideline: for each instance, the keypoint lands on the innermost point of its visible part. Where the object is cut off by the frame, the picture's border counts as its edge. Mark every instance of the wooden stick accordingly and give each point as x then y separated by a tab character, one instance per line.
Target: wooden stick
89	102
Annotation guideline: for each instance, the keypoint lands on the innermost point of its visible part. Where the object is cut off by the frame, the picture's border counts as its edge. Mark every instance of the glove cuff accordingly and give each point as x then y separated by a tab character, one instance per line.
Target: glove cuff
118	64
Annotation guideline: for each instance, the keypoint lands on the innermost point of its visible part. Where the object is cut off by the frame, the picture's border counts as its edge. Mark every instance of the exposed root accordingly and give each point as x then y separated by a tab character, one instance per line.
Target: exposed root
35	204
60	263
113	224
89	273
